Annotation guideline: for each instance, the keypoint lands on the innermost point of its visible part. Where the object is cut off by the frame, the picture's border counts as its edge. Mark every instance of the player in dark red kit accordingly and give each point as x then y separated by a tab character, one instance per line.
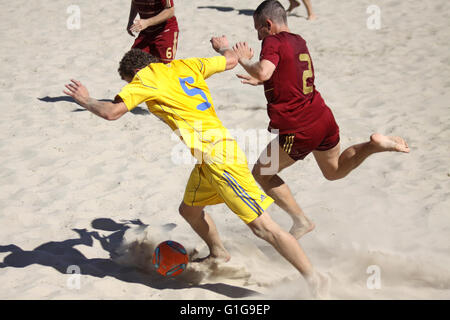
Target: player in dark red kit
296	109
157	27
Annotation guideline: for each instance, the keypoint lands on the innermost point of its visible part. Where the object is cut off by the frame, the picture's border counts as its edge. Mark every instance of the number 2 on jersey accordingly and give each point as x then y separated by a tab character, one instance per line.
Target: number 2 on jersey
307	73
193	92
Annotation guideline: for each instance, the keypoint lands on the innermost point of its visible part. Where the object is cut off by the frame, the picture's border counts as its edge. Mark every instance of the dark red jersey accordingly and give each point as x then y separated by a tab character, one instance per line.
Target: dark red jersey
151	8
293	103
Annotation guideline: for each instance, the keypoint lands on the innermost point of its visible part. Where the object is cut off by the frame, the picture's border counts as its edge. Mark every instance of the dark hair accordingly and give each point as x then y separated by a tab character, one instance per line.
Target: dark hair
135	59
271	9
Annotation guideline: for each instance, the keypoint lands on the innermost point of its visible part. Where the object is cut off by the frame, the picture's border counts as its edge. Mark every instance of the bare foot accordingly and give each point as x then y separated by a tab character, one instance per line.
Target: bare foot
389	143
312	17
292	6
319	284
211	259
301	226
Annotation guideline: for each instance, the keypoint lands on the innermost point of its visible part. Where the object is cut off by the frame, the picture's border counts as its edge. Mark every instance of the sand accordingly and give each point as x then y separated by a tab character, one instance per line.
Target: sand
75	190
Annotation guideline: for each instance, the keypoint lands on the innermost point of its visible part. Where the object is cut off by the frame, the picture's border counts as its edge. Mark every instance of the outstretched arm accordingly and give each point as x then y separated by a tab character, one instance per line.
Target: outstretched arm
142	24
261	70
133	14
246	79
107	110
221	45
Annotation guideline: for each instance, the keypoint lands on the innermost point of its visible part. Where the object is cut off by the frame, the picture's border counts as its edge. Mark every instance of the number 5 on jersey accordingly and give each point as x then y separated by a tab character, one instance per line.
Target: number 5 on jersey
194	92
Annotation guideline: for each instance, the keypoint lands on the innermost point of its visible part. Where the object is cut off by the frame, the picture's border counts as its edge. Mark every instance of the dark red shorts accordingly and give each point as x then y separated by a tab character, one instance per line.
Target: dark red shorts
162	45
322	136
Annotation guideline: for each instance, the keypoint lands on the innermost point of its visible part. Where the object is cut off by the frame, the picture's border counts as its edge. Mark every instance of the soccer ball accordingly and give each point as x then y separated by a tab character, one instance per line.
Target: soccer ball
170	258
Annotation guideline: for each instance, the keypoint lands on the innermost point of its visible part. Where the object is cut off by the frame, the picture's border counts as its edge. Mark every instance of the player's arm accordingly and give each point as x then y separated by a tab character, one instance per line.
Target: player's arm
261	70
246	79
210	66
221	45
133	14
107	110
164	15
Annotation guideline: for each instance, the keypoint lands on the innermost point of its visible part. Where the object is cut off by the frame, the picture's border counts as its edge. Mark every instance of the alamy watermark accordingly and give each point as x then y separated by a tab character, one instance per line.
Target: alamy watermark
220	145
73	22
374	20
374	280
74	280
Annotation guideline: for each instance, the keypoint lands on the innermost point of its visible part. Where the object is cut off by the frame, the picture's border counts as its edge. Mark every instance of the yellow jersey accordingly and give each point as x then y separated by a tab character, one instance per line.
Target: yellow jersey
177	93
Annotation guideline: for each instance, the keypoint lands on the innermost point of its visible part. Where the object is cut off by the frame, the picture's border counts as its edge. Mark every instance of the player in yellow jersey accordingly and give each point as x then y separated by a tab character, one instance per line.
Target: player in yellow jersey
178	94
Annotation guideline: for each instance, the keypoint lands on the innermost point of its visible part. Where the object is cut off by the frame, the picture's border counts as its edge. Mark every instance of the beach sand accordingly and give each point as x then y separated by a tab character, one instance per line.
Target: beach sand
78	193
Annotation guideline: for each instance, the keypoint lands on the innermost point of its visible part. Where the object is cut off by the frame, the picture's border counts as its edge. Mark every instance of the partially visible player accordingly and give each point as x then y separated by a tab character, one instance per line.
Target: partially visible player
294	4
296	109
157	27
177	93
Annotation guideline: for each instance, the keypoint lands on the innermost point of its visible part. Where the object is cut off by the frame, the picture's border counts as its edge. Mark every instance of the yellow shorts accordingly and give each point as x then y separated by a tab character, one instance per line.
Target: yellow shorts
227	181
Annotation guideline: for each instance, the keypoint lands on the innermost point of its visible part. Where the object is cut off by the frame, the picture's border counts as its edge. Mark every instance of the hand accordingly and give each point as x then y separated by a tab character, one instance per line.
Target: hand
128	29
220	43
77	91
139	25
246	79
243	51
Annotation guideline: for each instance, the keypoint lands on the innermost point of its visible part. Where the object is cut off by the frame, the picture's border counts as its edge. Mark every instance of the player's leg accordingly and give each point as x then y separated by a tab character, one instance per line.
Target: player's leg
292	5
335	165
197	195
266	172
233	181
204	226
265	228
309	10
166	45
142	42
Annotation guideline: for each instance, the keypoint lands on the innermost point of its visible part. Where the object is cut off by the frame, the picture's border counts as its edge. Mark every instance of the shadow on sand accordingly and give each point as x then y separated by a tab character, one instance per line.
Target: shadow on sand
247	12
60	255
